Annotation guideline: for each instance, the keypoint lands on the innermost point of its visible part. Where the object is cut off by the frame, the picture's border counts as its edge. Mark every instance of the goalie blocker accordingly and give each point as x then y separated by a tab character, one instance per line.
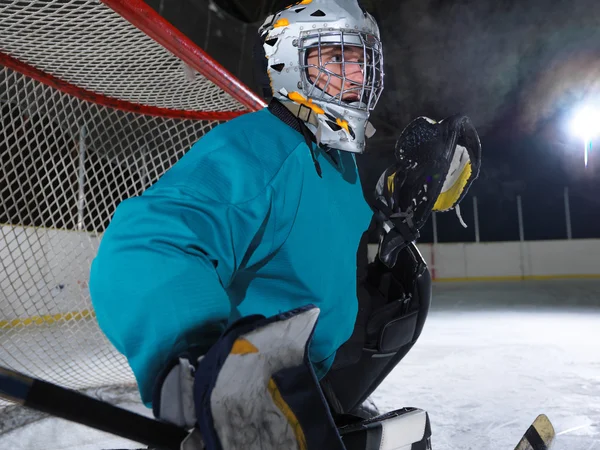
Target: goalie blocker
256	389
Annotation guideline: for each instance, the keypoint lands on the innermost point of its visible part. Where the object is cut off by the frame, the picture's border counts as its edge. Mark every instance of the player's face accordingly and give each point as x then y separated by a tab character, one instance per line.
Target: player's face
337	72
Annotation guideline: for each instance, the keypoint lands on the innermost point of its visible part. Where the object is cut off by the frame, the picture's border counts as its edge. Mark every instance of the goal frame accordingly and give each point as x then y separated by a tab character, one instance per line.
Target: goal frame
142	16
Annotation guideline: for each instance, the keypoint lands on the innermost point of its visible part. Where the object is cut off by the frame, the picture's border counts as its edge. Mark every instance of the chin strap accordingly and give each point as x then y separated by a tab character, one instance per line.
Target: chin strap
302	112
292	115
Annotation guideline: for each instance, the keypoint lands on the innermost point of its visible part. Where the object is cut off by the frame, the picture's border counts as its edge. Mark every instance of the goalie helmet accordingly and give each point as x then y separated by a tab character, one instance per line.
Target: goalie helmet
334	104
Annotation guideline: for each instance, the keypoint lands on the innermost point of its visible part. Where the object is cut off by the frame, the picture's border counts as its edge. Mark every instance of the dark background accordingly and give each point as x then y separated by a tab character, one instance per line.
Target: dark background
518	69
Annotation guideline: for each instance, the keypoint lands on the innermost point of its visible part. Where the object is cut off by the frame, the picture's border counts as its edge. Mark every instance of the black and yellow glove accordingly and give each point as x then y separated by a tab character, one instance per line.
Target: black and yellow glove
436	163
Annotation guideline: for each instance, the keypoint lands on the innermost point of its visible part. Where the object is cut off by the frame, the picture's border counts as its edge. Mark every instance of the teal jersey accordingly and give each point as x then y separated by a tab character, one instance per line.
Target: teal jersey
241	225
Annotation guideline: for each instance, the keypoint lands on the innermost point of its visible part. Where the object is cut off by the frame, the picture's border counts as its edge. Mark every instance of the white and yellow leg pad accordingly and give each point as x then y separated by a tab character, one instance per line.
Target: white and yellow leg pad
255	389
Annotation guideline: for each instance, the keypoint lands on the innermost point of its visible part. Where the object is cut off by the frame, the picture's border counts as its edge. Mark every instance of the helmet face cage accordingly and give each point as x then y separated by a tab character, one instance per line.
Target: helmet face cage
333	61
326	55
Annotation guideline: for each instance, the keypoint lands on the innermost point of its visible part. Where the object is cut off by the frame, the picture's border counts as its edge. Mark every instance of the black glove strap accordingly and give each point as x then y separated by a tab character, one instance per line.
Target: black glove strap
397	238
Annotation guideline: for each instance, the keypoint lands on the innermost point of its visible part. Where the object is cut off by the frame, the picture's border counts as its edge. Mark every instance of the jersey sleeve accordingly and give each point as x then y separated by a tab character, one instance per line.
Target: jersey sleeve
158	283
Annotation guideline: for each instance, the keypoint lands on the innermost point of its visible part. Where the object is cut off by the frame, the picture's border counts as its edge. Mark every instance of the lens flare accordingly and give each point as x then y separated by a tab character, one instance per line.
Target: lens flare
586	125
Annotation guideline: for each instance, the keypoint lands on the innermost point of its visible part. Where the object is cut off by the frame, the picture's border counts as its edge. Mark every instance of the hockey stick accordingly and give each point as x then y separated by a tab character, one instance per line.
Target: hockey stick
75	407
539	436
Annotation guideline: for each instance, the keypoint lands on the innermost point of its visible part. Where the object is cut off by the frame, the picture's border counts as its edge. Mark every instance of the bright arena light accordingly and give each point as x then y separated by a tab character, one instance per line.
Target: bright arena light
586	125
586	122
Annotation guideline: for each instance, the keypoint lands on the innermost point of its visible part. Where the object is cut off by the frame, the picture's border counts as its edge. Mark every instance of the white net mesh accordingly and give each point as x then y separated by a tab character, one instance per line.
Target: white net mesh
91	46
65	163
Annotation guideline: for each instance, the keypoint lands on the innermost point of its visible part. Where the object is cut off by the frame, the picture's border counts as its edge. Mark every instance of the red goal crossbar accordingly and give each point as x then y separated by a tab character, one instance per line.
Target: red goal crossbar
150	22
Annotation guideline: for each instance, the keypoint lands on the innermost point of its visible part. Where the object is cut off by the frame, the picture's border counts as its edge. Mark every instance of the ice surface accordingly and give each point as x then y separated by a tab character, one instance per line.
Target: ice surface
492	356
484	370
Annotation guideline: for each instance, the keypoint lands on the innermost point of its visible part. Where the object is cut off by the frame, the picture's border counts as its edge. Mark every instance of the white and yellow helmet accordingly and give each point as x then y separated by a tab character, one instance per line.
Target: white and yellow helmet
286	38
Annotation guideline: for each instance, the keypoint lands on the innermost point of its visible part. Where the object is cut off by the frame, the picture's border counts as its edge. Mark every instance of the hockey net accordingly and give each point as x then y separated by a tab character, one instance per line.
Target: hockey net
97	100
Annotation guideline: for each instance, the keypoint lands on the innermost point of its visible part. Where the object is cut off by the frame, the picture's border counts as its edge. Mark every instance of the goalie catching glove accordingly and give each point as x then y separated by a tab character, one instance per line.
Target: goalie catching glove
436	163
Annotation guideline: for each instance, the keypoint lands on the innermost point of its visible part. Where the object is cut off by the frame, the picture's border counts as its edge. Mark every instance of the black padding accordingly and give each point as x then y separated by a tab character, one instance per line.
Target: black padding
380	340
364	439
398	333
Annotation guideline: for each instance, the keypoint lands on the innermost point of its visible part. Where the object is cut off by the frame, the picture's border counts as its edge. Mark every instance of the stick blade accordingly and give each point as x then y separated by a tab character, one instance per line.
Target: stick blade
539	436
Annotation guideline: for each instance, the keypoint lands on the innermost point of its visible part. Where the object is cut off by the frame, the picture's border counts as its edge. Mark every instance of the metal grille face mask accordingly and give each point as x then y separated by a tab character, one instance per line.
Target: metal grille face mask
342	68
326	56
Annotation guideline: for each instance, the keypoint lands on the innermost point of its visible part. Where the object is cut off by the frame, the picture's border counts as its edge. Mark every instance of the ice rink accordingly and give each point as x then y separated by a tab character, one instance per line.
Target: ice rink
492	356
